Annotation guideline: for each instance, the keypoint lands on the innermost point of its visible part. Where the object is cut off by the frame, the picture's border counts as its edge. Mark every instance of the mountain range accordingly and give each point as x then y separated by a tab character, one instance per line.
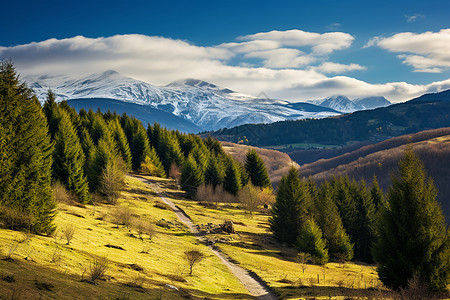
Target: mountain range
203	104
345	105
429	111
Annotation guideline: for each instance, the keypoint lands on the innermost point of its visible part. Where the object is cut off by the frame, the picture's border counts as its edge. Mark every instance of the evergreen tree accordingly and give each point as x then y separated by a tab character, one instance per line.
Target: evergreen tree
366	222
232	182
153	163
26	153
139	146
330	222
377	195
104	152
50	110
191	177
412	236
256	170
169	151
68	159
214	174
310	241
290	211
121	142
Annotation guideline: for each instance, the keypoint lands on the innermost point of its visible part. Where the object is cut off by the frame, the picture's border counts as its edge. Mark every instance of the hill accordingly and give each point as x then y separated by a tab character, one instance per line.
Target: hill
277	163
370	125
143	113
432	146
140	267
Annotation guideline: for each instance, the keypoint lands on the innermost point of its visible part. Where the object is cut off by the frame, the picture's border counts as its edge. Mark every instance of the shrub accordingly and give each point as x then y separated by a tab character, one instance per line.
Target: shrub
15	219
97	268
61	194
122	215
112	180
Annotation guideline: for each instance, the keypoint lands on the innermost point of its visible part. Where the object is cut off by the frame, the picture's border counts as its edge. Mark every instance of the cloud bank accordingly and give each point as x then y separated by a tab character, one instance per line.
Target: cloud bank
426	52
292	65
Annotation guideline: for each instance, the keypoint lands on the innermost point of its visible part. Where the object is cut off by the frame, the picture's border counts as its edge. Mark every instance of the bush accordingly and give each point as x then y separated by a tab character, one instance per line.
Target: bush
122	215
97	268
15	219
175	172
61	194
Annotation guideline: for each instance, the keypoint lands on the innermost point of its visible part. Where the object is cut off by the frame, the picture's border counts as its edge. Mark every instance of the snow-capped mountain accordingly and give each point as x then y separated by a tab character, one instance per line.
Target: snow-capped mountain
345	105
209	106
371	102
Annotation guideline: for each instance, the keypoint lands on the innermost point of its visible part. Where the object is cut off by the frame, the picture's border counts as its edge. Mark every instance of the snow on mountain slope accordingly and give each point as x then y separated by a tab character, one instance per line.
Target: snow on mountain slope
209	106
345	105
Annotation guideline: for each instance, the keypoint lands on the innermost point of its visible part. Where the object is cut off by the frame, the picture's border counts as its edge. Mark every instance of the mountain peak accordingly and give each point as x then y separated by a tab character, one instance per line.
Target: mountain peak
193	83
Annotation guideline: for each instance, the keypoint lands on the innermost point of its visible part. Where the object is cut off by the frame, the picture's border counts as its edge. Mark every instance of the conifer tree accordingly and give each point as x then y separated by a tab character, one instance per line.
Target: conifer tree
139	147
412	236
330	222
26	153
191	177
214	174
104	153
169	151
290	211
50	110
232	181
153	162
377	195
68	159
121	142
256	170
310	241
366	222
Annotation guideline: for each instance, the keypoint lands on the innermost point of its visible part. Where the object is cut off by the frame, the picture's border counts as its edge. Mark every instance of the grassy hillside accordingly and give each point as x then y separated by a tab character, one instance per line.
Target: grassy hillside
47	268
432	146
277	163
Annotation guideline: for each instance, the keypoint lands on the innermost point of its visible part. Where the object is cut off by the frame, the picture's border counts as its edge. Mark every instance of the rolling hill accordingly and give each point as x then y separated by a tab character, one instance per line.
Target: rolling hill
432	146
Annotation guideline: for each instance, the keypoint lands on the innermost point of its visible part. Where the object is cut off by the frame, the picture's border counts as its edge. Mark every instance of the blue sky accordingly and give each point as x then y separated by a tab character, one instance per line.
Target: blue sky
284	48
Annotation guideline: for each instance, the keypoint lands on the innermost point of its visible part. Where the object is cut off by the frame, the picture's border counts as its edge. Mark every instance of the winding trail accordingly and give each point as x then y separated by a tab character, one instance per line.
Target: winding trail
255	287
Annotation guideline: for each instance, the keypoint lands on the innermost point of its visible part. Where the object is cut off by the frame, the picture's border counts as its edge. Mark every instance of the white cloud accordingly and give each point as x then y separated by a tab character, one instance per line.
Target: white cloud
159	60
429	51
414	17
330	67
324	43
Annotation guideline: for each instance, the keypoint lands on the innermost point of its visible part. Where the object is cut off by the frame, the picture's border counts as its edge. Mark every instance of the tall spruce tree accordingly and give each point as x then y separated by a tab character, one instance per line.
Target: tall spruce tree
50	109
191	177
290	211
68	159
214	174
256	170
121	142
232	181
26	153
412	236
329	220
366	223
310	241
377	195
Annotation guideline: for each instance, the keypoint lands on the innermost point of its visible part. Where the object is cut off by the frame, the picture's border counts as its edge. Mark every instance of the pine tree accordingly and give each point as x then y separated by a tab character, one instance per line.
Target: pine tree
377	195
153	162
169	151
50	109
121	142
330	222
191	177
232	182
366	222
290	211
214	174
256	170
139	147
310	241
26	154
68	159
412	236
104	152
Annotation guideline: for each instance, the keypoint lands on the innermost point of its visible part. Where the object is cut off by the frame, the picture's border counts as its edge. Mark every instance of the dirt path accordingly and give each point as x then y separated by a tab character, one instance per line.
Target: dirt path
257	289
